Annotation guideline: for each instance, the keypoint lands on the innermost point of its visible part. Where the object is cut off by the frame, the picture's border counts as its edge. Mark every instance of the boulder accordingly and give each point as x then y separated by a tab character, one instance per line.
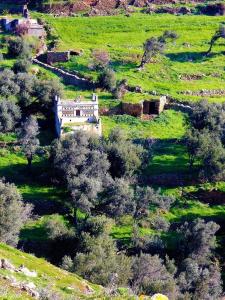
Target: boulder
5	264
27	272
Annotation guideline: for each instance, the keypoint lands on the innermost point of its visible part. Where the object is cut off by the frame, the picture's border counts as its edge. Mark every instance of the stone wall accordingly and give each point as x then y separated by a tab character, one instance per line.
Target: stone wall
67	77
135	110
54	57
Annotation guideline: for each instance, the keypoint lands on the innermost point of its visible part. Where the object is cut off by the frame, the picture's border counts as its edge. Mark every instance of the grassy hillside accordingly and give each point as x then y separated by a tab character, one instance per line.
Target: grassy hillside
183	68
48	276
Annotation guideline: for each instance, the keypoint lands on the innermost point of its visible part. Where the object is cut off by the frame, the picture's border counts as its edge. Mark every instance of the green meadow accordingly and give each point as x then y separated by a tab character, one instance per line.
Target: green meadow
123	38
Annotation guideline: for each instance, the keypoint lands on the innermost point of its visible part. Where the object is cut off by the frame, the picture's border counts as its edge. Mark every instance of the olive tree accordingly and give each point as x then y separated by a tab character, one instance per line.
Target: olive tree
13	213
9	115
156	45
28	138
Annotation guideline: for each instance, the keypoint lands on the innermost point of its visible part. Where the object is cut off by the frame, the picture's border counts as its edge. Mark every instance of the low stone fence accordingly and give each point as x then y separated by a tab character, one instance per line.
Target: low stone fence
185	108
68	78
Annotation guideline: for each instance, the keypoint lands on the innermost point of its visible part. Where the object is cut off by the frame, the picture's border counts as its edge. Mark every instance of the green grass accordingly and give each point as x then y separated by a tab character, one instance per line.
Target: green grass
168	125
168	157
123	38
49	276
8	137
35	230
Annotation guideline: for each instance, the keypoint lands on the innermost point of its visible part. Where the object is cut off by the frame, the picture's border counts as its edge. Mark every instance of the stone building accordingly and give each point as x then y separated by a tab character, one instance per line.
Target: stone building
75	115
146	107
25	25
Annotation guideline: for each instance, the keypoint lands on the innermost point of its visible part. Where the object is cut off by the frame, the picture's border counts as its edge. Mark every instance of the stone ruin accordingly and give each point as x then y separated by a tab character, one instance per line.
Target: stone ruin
146	107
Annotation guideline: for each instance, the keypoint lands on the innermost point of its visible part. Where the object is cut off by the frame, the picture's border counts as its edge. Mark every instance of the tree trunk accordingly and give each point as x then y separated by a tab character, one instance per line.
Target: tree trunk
29	161
212	42
74	213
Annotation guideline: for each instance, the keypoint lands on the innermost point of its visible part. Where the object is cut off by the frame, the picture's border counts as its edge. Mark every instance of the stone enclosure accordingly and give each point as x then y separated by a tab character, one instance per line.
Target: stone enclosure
146	107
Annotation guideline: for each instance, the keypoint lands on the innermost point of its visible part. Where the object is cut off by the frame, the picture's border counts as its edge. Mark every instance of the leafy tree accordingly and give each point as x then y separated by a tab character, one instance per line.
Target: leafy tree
107	79
28	138
146	244
8	87
156	45
150	276
56	229
19	47
192	144
197	239
199	281
100	261
206	147
124	156
119	198
207	116
212	154
9	115
26	83
85	170
13	213
46	90
146	197
220	33
69	155
22	65
96	225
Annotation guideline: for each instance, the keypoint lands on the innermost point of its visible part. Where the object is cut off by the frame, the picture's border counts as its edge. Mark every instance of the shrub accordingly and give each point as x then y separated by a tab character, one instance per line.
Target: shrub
21	65
107	80
100	58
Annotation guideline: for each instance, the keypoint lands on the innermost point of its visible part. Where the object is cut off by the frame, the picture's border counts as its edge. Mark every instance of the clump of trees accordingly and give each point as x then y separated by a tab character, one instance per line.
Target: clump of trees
95	171
13	213
155	46
29	90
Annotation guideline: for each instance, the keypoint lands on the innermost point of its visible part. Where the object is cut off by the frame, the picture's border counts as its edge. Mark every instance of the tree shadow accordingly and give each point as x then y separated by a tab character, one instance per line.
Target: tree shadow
194	57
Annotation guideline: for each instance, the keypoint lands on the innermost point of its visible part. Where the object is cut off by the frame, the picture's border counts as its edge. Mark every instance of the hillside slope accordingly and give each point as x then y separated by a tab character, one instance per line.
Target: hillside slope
48	278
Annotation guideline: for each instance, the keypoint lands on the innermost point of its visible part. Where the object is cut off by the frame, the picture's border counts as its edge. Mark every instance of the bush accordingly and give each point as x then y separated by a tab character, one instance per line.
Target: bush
100	58
19	47
107	80
22	66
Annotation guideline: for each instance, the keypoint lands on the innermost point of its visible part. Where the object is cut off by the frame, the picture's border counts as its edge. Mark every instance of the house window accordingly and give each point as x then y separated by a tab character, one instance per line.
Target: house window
77	113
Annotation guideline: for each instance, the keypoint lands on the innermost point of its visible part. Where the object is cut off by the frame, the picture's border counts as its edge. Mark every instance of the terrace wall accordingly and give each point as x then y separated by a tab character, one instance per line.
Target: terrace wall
68	78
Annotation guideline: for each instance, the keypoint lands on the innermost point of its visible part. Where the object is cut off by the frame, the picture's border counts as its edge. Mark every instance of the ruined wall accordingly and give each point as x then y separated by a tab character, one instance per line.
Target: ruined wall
67	77
54	57
135	110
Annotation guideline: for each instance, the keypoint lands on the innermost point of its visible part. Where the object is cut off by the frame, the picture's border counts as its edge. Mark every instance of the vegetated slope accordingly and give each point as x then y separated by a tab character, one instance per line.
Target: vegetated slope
48	277
182	73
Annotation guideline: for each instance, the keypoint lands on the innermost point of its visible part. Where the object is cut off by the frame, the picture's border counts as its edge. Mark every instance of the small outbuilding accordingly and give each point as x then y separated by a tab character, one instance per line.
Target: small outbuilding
146	107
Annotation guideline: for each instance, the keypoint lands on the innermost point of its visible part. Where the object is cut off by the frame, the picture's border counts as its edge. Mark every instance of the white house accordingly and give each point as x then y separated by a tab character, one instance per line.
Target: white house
73	115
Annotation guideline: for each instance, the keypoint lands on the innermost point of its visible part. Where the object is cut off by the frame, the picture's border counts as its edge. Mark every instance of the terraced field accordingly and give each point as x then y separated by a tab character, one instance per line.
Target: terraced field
181	73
